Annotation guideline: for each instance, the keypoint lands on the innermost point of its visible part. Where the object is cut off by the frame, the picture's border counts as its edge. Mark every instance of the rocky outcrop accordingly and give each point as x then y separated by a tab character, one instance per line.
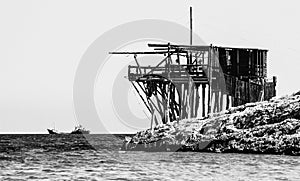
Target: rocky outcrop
271	127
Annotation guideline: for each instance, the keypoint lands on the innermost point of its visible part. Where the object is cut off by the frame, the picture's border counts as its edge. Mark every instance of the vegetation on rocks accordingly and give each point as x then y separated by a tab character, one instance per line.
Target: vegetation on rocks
271	127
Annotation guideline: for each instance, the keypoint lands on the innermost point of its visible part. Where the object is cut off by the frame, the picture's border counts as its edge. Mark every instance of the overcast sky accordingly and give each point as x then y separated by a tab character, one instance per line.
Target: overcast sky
42	42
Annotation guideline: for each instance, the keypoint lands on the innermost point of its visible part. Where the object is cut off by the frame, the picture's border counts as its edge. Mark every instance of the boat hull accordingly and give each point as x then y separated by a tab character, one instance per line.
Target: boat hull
51	131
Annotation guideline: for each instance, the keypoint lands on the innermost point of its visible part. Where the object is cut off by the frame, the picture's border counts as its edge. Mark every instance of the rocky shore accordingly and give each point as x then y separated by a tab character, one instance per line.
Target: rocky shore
269	127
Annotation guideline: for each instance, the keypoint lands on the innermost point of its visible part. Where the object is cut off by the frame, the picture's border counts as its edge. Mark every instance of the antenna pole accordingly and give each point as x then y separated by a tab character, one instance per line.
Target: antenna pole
191	25
189	106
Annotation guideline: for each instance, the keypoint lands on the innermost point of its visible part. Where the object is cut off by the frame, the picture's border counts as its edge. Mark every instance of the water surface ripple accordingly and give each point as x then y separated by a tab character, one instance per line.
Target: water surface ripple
71	157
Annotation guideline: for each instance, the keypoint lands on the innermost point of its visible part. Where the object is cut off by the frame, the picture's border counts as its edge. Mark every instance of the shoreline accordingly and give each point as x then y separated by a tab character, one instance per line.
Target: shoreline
269	127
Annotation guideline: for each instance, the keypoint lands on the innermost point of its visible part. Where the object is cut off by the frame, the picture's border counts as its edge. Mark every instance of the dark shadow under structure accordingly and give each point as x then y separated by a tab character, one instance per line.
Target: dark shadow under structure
197	81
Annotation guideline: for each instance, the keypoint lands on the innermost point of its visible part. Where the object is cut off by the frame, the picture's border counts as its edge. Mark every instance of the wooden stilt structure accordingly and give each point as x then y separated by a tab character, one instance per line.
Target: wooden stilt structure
202	80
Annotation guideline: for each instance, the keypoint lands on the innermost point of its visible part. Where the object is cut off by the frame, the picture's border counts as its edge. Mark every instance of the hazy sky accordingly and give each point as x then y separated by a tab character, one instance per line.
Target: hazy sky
41	44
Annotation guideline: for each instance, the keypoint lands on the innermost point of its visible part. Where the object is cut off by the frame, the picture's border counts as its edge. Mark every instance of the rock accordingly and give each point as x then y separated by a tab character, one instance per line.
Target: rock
264	127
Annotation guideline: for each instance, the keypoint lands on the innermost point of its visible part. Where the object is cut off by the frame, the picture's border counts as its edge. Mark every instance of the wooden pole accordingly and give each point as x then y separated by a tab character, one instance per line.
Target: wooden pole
203	100
209	68
197	101
191	25
189	106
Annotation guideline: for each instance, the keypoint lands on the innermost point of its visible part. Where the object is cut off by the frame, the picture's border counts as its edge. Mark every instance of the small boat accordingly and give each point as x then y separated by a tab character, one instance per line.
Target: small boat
77	130
52	131
80	130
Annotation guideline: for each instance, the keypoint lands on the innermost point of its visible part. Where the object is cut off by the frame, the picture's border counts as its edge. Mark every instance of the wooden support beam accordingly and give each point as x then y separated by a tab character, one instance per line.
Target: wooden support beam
189	88
153	117
237	62
141	97
164	60
167	117
137	63
210	57
203	100
192	99
227	101
184	101
159	104
186	47
216	103
136	53
150	102
222	101
197	101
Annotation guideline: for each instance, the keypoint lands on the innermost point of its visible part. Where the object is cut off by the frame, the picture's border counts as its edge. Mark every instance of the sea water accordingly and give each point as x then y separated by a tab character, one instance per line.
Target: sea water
98	157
